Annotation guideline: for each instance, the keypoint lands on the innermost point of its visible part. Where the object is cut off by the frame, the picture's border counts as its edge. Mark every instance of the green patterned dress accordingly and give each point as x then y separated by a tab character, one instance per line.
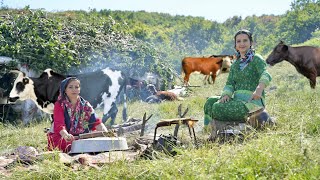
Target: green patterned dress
240	86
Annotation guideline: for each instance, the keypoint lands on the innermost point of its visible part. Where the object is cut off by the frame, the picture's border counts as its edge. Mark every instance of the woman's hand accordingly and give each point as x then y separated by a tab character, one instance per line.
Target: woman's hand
224	99
66	136
256	95
101	127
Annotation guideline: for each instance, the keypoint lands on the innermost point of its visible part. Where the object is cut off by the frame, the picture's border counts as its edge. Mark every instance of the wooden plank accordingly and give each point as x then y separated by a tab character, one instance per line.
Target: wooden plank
96	134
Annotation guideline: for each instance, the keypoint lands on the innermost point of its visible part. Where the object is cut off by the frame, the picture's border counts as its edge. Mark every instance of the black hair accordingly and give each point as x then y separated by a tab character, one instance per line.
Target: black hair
243	31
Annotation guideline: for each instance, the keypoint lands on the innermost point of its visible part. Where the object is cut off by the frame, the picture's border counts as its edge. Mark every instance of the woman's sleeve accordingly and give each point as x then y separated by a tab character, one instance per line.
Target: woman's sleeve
93	120
229	87
58	118
265	77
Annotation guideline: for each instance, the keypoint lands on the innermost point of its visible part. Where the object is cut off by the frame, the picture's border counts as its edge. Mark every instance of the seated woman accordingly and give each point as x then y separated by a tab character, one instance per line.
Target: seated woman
243	93
72	116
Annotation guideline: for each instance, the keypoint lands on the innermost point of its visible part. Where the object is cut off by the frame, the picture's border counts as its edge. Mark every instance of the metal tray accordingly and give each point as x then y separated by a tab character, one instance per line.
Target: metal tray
98	144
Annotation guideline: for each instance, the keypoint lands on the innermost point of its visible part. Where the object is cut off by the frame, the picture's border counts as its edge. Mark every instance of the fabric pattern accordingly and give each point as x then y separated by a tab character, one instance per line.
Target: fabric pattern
247	59
79	116
240	85
75	121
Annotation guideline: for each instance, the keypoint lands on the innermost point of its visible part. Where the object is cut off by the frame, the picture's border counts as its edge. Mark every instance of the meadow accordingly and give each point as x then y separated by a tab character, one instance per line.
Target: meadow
289	151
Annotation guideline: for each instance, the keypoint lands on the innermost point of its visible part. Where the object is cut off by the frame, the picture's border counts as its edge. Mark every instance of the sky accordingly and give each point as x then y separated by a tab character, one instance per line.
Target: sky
215	10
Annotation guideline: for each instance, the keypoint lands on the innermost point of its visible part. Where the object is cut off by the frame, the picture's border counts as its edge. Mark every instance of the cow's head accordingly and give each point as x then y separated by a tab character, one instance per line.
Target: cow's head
6	84
279	53
226	64
22	88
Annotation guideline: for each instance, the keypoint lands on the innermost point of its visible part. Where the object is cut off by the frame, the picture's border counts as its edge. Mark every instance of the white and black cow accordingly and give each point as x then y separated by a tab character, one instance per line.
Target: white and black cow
100	87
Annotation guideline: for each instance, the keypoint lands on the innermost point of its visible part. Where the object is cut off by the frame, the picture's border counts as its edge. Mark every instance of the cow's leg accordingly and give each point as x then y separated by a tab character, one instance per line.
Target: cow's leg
311	74
206	79
111	114
213	76
186	79
124	110
210	81
313	81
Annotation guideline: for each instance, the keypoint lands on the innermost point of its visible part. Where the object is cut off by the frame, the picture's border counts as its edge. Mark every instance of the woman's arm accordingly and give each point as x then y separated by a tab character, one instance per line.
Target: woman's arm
261	67
59	123
66	136
58	118
258	92
264	80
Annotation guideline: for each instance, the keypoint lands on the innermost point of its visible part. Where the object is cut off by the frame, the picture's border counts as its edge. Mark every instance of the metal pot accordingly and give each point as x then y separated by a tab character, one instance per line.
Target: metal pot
98	144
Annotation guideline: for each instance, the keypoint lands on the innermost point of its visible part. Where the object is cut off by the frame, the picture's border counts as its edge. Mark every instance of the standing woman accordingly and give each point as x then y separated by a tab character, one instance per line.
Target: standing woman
244	89
72	115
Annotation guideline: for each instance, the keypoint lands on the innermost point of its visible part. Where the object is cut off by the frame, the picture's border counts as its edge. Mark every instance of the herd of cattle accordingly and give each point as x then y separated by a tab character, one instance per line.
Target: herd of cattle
104	87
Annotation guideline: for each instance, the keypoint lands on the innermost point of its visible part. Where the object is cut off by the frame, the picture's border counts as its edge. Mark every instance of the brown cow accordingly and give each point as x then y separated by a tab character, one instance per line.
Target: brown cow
212	66
306	59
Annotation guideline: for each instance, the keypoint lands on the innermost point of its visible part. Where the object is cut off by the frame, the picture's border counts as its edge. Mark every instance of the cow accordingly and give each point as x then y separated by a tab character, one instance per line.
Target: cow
178	90
306	59
159	96
100	87
212	66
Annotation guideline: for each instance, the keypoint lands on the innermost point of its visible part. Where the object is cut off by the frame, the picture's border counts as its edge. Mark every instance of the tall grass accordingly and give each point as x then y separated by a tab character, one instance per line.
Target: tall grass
290	151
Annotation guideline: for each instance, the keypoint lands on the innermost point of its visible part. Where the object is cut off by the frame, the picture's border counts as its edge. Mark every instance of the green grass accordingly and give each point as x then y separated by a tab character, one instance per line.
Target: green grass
290	151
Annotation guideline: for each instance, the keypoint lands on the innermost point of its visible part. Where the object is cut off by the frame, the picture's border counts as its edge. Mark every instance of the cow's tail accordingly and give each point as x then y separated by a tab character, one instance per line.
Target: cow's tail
124	111
182	65
182	70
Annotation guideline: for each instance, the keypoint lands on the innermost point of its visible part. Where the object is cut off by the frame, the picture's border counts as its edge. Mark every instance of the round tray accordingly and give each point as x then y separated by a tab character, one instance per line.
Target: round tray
98	144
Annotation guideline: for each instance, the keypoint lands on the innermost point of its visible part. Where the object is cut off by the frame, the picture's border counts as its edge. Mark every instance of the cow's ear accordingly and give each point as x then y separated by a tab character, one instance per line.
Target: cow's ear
284	48
220	62
25	80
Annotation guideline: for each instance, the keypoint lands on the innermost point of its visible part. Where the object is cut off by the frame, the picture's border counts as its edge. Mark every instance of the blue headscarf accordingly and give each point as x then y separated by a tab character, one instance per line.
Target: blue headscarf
247	58
63	85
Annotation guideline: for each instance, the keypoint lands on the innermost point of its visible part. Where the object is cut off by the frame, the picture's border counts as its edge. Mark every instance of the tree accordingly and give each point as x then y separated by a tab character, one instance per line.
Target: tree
301	4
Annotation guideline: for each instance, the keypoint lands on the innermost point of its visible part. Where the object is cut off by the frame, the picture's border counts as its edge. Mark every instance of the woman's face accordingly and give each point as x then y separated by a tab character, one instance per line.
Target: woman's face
73	89
242	43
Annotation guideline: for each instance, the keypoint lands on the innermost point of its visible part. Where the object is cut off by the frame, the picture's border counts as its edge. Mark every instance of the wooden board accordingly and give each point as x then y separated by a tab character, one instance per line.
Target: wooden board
168	122
96	134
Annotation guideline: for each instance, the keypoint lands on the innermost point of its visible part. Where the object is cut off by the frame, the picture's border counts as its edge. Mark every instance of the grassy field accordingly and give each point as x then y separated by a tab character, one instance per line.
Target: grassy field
290	151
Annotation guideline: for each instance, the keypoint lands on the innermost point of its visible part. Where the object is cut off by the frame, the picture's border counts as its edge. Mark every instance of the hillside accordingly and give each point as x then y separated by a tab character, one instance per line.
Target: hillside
143	42
289	151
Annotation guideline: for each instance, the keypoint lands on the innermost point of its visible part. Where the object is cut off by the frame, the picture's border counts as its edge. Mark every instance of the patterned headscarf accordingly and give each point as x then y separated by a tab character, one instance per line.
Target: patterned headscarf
79	117
63	85
247	58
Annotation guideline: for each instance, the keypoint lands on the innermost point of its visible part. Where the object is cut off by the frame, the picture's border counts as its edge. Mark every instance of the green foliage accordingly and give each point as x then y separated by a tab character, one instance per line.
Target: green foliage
301	4
316	34
77	42
30	38
298	24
